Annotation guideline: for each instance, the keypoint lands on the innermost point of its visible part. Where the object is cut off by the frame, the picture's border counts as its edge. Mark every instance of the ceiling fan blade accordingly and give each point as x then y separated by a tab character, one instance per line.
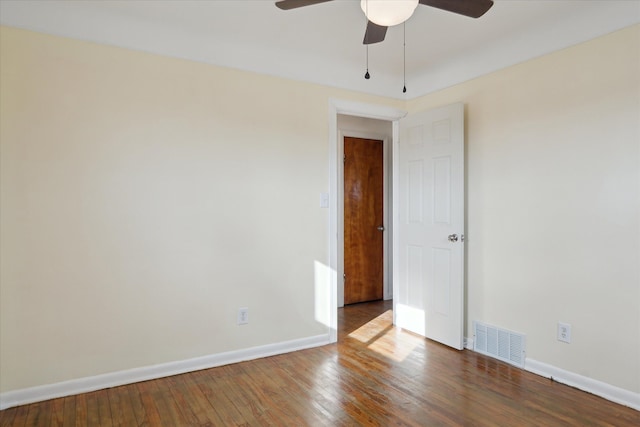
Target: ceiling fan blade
471	8
374	34
294	4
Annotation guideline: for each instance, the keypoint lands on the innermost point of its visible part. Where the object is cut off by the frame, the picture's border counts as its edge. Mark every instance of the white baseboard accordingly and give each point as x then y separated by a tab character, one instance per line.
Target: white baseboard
599	388
468	343
114	379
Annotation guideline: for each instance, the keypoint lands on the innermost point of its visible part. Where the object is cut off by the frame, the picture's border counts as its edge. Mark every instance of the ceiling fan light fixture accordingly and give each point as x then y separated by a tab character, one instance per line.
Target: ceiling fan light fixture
388	13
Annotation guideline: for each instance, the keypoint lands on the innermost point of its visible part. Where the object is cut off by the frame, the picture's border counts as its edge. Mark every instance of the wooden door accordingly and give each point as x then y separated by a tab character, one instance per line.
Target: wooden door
429	254
363	220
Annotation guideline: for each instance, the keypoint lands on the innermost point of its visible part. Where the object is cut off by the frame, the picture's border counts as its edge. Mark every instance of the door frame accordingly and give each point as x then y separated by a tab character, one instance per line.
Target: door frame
357	109
387	292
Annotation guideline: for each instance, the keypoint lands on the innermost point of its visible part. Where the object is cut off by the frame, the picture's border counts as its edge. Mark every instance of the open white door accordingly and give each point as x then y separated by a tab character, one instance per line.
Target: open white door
429	225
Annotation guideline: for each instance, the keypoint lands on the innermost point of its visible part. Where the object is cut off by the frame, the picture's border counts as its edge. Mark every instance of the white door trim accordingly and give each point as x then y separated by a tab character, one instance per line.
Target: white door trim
350	108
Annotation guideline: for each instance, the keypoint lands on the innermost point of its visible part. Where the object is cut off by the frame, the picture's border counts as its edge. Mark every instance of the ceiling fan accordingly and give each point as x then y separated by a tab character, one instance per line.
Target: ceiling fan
401	10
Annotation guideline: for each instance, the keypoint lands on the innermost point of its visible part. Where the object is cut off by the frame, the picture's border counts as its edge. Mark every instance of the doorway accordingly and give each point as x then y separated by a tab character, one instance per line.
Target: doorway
347	118
351	126
445	294
363	220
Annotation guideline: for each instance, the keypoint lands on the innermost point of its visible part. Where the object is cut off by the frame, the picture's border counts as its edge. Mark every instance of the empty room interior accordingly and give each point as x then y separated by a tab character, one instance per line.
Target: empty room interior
211	196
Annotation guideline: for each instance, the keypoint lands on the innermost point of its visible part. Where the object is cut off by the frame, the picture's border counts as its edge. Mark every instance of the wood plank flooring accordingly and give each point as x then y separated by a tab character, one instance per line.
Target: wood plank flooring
375	376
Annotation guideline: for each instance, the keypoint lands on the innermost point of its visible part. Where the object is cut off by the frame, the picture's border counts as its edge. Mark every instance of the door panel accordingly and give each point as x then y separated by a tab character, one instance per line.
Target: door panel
363	214
430	187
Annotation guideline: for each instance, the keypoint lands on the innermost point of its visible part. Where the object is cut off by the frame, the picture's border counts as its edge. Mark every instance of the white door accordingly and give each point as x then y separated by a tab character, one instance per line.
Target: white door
429	225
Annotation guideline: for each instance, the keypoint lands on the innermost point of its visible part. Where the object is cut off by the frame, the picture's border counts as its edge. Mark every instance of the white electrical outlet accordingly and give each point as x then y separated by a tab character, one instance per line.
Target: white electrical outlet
243	316
564	332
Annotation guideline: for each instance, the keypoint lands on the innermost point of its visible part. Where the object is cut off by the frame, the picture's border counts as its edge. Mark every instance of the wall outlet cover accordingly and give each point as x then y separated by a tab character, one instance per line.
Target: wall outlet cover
243	315
564	332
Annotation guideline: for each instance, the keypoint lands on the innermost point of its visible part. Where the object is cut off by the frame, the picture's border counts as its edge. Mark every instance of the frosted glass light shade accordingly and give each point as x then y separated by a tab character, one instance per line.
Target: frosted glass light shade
388	12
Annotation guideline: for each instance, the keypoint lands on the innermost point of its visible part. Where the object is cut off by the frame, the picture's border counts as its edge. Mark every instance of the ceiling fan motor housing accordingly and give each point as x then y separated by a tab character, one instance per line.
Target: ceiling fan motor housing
388	12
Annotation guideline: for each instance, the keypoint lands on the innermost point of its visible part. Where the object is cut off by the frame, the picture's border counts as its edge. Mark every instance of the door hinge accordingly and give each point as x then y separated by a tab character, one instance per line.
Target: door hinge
344	159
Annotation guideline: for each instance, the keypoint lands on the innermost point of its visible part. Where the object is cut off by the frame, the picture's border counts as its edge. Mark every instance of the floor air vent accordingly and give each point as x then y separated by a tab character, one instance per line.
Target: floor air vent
499	343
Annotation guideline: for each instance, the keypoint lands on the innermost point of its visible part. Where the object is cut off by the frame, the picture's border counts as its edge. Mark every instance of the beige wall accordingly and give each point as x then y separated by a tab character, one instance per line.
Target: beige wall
145	199
553	205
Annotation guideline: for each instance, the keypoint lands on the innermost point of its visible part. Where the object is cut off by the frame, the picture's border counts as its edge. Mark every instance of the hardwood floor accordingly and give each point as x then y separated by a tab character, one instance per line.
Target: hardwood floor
375	376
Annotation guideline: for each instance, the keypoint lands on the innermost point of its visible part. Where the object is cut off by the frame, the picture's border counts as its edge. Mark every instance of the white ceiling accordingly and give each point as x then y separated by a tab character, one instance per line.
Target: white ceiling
323	43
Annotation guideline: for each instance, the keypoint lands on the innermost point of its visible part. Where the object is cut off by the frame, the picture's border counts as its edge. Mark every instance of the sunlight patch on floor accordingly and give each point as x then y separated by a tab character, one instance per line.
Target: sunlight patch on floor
382	337
374	327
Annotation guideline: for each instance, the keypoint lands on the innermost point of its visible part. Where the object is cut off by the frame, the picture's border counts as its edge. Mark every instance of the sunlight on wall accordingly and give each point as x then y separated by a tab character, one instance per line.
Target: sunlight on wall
322	279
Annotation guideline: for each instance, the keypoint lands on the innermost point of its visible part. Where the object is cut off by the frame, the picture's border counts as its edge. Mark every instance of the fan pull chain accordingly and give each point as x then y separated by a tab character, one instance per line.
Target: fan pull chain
367	76
404	57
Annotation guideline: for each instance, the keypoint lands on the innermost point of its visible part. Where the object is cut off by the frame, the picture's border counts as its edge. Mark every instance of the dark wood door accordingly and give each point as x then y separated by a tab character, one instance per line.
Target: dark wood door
363	215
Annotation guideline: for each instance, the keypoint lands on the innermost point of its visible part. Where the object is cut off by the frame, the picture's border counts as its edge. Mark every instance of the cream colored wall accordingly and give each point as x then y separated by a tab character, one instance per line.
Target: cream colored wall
553	205
364	125
144	199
